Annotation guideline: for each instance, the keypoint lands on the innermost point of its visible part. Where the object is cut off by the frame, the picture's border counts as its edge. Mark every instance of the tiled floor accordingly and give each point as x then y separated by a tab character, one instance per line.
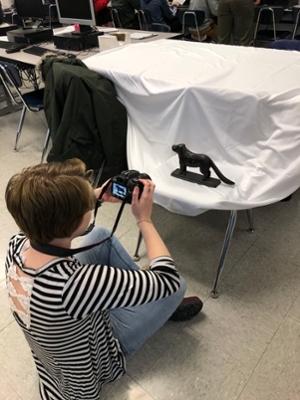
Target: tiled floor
245	345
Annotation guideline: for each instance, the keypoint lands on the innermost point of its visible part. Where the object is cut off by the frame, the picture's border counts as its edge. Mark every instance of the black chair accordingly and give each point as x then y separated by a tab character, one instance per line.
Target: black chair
155	27
192	19
116	16
268	16
32	101
145	19
296	20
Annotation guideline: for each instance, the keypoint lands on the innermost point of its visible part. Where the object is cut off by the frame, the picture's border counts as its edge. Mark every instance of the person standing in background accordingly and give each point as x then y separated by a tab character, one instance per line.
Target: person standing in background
235	21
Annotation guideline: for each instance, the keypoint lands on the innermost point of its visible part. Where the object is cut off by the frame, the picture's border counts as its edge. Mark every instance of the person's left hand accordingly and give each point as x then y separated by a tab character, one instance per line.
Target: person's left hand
107	196
175	3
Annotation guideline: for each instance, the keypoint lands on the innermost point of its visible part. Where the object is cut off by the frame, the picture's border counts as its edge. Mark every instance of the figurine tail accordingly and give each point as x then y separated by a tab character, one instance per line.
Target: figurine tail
220	175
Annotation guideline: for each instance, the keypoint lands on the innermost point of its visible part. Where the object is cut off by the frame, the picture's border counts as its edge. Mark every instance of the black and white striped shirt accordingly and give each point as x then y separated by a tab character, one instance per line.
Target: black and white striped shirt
70	335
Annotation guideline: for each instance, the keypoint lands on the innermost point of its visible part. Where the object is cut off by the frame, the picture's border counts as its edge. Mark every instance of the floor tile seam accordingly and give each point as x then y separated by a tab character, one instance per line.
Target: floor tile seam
268	332
141	386
287	313
266	380
293	317
219	346
233	357
267	347
12	388
6	326
259	304
235	265
246	383
277	255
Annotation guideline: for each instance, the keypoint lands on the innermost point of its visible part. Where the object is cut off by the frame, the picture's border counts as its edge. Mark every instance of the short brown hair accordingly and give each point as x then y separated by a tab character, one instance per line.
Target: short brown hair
48	201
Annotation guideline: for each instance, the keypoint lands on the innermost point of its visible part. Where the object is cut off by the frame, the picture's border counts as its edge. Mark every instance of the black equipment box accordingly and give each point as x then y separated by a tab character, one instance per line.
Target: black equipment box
5	28
31	35
71	42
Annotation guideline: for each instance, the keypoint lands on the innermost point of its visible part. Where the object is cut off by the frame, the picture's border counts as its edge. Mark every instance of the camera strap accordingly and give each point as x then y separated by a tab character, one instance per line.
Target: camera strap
63	252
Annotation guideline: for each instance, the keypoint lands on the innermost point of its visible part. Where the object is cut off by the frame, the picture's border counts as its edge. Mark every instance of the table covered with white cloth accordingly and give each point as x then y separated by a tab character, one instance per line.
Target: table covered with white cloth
238	105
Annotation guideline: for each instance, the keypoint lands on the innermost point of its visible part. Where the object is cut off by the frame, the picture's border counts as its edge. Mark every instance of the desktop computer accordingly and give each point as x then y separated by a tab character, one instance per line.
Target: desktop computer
31	35
71	42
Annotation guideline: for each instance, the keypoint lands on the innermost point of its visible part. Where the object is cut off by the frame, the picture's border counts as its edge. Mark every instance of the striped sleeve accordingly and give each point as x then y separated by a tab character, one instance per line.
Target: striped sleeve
98	287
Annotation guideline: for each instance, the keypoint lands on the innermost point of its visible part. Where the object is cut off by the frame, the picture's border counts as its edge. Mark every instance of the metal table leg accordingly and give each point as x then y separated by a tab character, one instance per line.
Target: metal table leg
250	220
136	256
228	235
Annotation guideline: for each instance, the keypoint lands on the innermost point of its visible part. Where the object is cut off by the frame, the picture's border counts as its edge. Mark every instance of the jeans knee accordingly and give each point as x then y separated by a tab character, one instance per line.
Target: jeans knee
182	288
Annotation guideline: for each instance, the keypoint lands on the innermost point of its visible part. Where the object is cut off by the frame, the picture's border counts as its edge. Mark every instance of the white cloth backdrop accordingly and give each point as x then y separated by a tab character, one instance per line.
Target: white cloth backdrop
240	106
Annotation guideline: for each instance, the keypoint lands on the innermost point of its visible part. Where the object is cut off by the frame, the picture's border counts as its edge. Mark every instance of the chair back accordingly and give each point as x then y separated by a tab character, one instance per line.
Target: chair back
191	19
296	19
145	19
10	77
268	14
295	14
159	27
116	14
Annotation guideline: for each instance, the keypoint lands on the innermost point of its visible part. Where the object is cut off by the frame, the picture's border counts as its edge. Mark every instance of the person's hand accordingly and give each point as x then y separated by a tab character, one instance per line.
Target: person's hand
175	3
257	2
107	196
142	207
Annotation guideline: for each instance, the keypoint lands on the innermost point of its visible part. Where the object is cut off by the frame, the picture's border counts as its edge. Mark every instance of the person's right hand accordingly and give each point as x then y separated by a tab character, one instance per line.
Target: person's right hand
142	207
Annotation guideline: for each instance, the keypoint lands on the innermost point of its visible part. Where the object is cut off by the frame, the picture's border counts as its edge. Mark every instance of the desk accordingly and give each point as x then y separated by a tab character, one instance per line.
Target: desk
25	59
240	106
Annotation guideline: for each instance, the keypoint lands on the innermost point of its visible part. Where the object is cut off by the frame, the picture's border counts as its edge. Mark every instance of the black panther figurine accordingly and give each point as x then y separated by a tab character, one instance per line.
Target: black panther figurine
189	159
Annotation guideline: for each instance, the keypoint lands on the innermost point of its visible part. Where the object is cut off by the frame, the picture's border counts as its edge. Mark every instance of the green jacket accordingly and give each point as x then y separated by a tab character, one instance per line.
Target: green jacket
85	118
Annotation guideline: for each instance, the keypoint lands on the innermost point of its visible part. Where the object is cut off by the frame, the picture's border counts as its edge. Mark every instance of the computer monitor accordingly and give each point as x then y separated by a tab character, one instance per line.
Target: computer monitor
80	12
30	10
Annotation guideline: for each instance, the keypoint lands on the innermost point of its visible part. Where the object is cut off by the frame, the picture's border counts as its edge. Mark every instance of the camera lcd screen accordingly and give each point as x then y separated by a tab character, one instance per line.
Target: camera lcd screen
119	190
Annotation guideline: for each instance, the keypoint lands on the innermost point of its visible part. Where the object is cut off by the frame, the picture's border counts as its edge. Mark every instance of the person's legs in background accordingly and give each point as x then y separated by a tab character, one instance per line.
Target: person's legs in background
225	22
243	14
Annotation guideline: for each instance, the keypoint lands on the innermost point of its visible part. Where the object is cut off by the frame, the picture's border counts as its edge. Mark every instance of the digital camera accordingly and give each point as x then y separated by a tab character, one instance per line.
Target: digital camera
122	185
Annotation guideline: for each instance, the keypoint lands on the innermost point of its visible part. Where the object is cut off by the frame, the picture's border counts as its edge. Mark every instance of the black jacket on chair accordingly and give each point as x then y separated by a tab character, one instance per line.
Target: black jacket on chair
85	118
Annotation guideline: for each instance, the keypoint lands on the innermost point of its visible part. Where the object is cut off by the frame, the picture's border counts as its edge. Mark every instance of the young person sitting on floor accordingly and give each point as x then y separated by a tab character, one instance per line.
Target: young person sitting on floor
83	316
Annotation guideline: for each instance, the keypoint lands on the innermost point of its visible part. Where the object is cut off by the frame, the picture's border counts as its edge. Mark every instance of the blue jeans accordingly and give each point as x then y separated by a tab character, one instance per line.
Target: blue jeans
132	326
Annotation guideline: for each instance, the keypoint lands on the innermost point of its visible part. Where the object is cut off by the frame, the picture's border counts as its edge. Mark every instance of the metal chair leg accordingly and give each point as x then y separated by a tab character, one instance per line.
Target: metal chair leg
46	143
20	128
228	235
136	256
250	220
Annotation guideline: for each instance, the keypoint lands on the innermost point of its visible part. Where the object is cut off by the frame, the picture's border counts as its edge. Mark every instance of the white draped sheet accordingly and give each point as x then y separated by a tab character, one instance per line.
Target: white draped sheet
238	105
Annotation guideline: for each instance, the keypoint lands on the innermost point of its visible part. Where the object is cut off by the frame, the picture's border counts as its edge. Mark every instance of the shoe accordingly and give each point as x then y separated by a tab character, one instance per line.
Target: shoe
188	308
